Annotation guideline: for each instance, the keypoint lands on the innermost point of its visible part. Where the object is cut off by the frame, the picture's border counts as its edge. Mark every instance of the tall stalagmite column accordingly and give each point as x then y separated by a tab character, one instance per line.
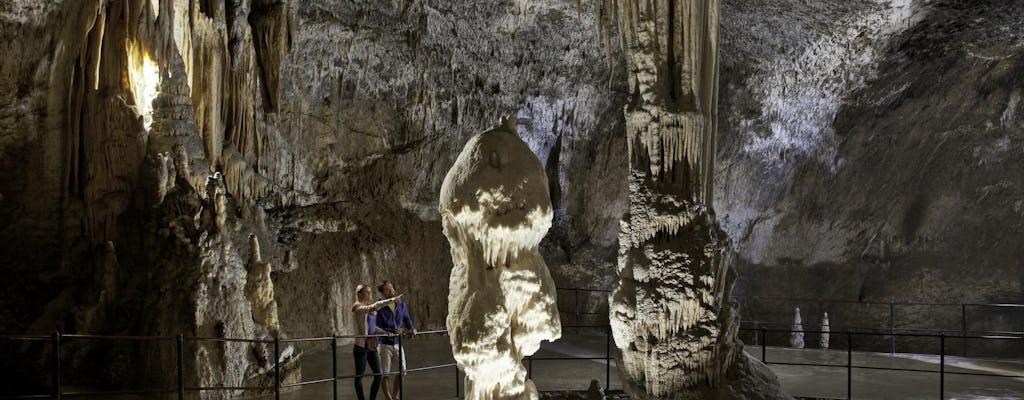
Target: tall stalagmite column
671	313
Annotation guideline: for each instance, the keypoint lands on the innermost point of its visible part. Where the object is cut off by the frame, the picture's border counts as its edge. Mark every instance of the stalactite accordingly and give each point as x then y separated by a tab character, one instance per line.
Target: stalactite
210	71
243	103
241	178
273	31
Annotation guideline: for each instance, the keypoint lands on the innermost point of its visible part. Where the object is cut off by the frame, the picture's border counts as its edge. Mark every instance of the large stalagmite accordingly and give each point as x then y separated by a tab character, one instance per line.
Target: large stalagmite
495	210
670	312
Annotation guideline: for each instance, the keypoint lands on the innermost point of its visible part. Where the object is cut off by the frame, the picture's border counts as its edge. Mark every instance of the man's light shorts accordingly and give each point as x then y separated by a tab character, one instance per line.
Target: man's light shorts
389	359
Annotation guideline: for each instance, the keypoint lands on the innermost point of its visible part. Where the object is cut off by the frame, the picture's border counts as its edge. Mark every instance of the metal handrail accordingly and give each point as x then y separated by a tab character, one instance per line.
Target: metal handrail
179	339
849	351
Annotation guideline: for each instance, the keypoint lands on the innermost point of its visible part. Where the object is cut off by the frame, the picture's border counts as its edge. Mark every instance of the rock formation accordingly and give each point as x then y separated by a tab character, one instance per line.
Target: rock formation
839	122
796	333
825	332
671	313
495	209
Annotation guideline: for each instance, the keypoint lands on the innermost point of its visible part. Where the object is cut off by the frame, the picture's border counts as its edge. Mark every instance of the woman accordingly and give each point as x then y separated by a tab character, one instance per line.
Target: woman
364	350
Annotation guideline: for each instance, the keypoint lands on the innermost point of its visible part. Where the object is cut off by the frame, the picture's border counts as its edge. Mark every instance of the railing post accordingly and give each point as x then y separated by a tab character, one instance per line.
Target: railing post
56	365
608	358
529	367
942	365
457	383
401	370
963	326
334	366
892	329
277	368
577	295
849	364
764	345
181	366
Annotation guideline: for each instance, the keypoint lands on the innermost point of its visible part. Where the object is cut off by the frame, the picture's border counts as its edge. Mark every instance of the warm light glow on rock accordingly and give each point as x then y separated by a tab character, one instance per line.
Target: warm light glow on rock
144	75
495	209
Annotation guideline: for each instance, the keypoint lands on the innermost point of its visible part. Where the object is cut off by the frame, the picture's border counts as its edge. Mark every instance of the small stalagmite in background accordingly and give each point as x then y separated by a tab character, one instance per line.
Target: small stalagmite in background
495	209
796	335
824	332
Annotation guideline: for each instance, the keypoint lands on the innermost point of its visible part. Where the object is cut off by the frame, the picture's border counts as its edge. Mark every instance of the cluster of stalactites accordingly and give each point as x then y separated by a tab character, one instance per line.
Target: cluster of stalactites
500	245
674	147
671	49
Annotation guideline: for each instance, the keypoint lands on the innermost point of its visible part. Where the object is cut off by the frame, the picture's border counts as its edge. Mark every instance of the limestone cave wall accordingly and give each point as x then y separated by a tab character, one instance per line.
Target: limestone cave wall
873	151
867	150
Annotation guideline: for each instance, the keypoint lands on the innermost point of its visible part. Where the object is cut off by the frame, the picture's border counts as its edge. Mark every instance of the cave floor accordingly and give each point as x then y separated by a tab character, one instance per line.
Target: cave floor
801	381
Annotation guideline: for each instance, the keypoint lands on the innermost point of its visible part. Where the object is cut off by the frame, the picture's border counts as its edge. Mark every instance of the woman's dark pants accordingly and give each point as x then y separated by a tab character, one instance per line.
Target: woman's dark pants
362	357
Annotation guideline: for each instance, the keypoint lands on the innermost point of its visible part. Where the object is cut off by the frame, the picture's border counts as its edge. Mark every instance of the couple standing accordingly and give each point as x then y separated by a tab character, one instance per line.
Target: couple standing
390	316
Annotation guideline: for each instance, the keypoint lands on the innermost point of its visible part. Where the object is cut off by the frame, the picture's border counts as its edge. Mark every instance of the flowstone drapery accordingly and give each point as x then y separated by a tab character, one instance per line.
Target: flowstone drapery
671	314
495	209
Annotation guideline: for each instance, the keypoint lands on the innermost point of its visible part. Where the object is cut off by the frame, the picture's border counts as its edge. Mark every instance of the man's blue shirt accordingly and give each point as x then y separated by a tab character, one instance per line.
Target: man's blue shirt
389	320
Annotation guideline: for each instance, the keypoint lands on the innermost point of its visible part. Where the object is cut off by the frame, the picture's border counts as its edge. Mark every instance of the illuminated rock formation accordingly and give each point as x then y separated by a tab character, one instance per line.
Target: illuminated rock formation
259	289
825	332
671	313
796	334
495	210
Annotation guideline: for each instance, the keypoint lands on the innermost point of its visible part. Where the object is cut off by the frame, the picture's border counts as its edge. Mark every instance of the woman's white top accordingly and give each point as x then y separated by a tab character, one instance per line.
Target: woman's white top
366	320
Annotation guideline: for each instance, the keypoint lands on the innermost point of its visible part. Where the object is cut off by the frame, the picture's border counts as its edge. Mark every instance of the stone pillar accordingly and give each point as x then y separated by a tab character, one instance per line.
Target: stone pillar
671	314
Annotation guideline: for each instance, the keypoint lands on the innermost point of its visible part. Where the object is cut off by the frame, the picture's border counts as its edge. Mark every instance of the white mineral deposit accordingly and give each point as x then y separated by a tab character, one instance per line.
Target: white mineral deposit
495	209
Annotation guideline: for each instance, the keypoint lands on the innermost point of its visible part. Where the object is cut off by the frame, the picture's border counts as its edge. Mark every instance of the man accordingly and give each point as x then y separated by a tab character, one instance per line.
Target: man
393	319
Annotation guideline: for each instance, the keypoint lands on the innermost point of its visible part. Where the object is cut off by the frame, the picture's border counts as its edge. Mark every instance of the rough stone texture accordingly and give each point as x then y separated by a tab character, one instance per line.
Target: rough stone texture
845	126
671	311
336	179
878	144
495	209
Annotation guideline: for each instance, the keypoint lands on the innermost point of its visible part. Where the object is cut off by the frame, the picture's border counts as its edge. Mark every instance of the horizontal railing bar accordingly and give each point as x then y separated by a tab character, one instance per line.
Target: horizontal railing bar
770	362
365	375
582	312
104	337
432	332
982	374
430	367
310	339
26	337
584	326
307	382
571	358
115	393
757	325
27	396
208	388
215	339
997	305
872	303
820	300
933	371
883	334
584	289
377	335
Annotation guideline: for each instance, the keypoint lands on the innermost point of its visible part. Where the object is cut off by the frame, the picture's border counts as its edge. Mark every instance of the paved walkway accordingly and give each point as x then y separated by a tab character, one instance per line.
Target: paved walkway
803	381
